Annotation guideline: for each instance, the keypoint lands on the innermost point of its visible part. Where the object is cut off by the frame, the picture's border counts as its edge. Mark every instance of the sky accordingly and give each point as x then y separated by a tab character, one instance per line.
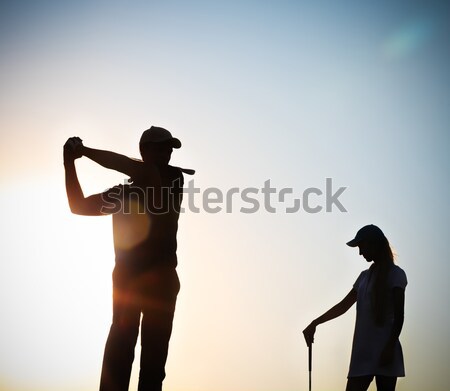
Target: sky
302	97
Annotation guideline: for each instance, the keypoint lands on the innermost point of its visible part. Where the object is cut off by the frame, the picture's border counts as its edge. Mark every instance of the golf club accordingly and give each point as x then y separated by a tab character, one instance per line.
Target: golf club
310	363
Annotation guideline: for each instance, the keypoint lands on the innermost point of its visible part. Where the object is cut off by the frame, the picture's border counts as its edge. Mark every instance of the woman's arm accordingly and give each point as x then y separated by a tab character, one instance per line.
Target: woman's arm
339	309
114	161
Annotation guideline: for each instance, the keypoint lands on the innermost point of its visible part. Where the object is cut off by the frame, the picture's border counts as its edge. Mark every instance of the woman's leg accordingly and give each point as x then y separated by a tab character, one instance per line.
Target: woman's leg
385	383
359	383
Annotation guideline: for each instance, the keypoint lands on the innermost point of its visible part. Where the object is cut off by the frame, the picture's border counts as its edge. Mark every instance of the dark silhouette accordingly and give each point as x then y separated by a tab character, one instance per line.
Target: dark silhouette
380	296
145	281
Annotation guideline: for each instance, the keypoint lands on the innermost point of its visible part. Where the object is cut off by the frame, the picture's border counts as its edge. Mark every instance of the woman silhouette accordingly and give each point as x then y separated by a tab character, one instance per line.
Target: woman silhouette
380	296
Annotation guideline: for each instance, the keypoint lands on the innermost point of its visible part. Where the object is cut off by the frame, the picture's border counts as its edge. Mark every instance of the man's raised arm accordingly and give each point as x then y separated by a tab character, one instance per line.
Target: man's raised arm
79	204
113	161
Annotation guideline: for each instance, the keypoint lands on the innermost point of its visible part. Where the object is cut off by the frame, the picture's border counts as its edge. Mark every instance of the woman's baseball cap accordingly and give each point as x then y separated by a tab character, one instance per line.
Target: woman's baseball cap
368	232
158	135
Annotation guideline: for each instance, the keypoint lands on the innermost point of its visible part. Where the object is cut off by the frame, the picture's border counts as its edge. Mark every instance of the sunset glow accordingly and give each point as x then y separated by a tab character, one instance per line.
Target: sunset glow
291	92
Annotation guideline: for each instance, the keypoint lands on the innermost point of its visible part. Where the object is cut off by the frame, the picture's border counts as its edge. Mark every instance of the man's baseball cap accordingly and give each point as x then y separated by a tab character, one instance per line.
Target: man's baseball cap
158	135
368	232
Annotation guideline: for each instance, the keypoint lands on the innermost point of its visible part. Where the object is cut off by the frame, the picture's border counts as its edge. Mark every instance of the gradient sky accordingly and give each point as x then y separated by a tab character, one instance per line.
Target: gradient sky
294	92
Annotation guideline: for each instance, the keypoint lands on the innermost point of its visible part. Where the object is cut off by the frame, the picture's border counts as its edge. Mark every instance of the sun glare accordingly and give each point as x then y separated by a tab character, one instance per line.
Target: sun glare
56	285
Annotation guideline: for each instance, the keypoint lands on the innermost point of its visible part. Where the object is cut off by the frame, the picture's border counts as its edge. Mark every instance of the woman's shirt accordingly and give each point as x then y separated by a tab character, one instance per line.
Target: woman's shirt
370	338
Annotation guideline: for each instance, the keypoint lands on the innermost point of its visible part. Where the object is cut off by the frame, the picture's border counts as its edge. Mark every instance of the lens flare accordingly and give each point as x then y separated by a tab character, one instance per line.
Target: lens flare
408	39
131	227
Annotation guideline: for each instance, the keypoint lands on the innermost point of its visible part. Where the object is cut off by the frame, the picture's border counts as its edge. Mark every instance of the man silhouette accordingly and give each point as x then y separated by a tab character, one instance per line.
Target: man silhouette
145	222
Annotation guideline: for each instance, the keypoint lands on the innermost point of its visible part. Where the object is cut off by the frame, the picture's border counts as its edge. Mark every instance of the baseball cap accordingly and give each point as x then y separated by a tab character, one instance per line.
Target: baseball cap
158	135
368	232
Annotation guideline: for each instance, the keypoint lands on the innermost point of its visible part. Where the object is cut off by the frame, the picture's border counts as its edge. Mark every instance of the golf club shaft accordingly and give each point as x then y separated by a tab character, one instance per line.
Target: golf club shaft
310	364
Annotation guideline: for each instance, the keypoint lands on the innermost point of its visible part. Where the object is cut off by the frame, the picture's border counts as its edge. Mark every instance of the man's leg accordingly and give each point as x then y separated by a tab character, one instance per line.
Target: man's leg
386	383
155	335
156	329
119	350
359	383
